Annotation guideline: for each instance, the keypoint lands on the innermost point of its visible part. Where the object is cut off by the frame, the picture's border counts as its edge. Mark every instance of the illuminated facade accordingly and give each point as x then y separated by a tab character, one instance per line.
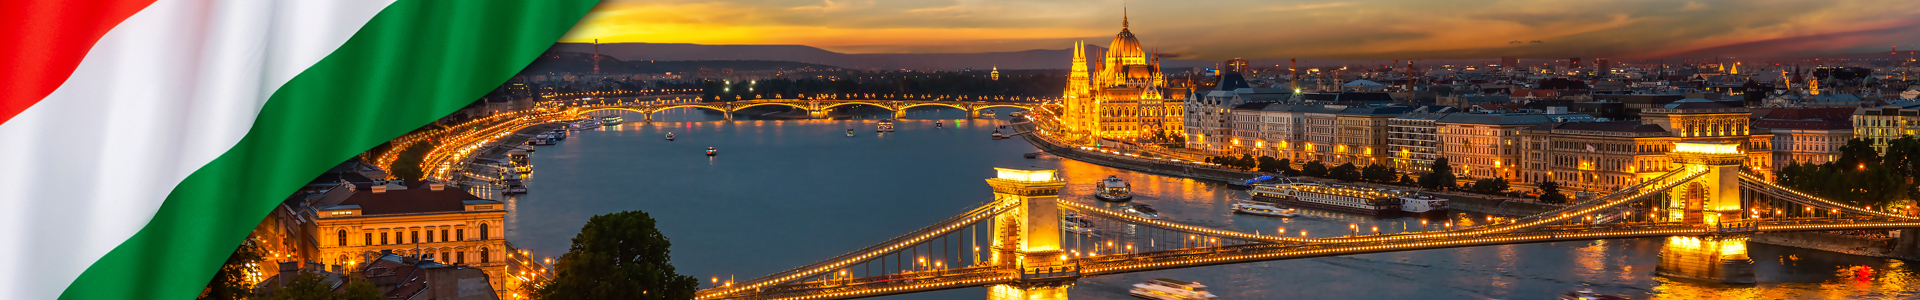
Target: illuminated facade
355	223
1125	97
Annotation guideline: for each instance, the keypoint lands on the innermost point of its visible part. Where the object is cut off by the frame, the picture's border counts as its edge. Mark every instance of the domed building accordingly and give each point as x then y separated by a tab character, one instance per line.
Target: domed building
1125	97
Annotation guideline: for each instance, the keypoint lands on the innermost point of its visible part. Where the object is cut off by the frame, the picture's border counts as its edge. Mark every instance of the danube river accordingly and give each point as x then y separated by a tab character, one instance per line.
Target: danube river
782	194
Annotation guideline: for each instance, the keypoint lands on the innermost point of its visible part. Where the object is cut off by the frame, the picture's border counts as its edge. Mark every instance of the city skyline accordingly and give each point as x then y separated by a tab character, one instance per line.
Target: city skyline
1219	30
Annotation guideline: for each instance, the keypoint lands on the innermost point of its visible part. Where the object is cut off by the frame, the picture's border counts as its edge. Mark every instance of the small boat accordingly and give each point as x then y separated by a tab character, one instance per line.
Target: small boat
1113	189
885	126
669	136
849	132
1075	223
1031	155
1169	289
514	187
997	135
711	152
1264	209
1144	211
986	114
937	124
610	121
1588	294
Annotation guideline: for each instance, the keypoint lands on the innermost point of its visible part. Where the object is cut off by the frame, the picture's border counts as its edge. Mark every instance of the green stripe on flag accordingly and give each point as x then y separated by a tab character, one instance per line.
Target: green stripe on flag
416	61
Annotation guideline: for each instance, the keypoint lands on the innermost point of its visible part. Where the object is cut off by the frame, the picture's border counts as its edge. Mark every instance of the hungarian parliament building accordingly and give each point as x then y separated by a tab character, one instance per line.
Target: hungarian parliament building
1126	97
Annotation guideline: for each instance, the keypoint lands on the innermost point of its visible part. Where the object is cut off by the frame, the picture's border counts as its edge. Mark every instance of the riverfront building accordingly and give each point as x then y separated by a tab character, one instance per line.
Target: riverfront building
359	222
1126	97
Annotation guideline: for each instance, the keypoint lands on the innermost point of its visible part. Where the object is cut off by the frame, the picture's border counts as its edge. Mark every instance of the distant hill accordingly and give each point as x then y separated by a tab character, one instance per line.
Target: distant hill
579	63
1029	59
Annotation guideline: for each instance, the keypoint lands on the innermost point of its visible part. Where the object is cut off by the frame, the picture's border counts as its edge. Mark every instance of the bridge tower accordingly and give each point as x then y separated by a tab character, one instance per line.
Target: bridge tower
1027	238
1712	199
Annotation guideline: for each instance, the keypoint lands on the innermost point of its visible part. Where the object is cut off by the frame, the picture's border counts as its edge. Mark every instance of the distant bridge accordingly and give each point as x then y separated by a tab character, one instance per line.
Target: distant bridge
816	108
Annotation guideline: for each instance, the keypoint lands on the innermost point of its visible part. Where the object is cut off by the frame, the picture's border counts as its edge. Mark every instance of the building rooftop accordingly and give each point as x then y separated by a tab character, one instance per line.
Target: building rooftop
417	199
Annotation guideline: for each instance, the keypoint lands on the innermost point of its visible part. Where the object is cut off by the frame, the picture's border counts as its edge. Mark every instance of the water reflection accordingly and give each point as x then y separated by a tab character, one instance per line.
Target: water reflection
788	193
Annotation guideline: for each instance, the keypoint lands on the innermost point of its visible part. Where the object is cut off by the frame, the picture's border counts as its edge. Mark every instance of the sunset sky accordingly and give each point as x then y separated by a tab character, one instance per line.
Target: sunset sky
1220	29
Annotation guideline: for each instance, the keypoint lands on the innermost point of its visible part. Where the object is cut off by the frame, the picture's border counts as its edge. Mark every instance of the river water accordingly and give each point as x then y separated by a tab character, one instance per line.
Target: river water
787	193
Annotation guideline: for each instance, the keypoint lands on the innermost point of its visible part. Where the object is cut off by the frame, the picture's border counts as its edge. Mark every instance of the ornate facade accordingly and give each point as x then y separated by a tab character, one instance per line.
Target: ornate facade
1125	97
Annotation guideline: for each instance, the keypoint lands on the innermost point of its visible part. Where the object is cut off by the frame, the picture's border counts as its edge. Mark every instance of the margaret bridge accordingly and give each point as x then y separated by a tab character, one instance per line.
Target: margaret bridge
1016	245
816	108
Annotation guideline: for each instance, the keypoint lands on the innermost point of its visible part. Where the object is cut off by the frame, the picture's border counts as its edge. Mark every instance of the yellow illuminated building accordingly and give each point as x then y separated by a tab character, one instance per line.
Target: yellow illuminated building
354	223
1125	97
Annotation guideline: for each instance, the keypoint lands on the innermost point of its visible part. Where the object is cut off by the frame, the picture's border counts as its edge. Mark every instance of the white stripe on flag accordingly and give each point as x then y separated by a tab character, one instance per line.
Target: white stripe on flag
160	95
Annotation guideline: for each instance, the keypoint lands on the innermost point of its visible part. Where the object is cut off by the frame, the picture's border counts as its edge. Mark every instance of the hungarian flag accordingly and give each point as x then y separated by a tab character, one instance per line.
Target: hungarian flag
146	138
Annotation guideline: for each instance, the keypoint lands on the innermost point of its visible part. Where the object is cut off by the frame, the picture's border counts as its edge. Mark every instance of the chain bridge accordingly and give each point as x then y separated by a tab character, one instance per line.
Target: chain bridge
816	108
1028	244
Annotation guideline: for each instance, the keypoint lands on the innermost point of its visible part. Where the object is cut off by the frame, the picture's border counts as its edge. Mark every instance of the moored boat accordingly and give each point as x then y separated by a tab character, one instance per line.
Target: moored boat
1113	189
610	121
1352	199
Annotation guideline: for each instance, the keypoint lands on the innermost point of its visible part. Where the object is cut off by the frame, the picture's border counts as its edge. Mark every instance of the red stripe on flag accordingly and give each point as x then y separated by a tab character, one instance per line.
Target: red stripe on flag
45	41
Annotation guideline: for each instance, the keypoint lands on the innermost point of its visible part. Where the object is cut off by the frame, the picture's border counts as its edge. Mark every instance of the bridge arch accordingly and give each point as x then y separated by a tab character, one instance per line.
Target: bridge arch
846	103
788	104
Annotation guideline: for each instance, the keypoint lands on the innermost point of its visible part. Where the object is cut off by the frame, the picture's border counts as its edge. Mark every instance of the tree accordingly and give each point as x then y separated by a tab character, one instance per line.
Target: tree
1286	167
1442	176
1407	180
1344	172
1490	186
1550	193
307	285
617	256
1314	168
230	282
1268	164
1379	173
1246	161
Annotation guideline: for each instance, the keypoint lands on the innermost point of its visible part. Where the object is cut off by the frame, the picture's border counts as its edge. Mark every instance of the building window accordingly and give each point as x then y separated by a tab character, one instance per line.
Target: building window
483	232
369	238
383	238
343	238
443	235
460	234
414	236
483	254
459	257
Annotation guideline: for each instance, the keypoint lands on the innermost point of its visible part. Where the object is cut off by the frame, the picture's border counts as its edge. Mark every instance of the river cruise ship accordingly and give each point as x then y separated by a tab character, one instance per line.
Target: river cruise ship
1354	199
885	126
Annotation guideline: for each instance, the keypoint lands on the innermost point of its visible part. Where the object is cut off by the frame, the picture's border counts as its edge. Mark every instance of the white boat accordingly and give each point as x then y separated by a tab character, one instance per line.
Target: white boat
669	136
1169	289
885	126
711	152
997	135
986	114
1355	199
610	121
1113	189
849	132
1264	209
1144	211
